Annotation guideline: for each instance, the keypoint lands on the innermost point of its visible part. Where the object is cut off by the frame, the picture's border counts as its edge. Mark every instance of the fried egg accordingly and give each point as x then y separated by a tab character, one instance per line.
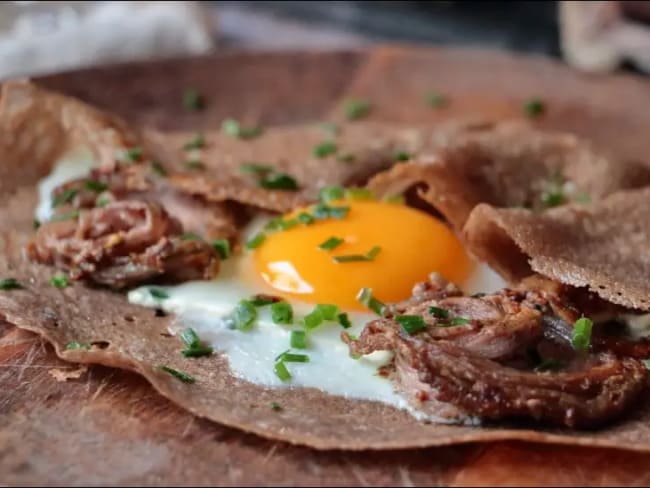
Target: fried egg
296	265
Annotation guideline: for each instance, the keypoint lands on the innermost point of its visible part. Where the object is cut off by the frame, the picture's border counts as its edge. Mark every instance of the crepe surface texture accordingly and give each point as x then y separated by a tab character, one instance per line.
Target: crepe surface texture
131	337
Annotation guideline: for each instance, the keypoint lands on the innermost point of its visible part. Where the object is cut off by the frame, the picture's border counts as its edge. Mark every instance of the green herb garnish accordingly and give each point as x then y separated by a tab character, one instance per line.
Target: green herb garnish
439	313
96	186
10	284
298	339
366	298
411	323
289	357
646	363
344	320
582	334
305	218
158	293
534	107
255	168
278	224
194	165
281	371
65	216
256	241
275	406
459	321
327	311
102	201
193	100
553	198
356	109
196	142
234	129
401	156
331	193
133	154
59	281
71	346
194	347
222	246
36	224
282	313
359	194
325	149
179	375
351	258
435	99
330	244
322	211
244	315
158	168
278	181
190	236
65	196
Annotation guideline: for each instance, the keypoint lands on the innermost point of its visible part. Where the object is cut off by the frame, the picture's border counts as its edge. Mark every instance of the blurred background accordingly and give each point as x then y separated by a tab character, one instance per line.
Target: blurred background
42	37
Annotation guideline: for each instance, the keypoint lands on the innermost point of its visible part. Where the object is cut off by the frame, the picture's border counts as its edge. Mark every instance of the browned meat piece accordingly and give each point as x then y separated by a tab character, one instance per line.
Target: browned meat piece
122	244
483	367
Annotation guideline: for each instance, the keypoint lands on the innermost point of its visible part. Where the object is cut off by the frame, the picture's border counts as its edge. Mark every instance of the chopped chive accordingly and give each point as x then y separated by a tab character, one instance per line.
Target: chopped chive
439	313
356	109
346	157
322	211
276	407
190	236
96	186
331	193
233	128
351	258
65	216
435	99
65	196
278	181
401	156
549	364
179	375
255	168
158	293
36	224
256	241
366	298
196	142
330	244
305	218
289	357
325	149
553	198
158	168
344	320
411	323
359	194
330	128
261	300
102	201
59	281
534	107
394	199
582	334
298	339
459	321
71	346
327	311
194	347
222	246
281	371
133	154
193	100
194	164
278	224
646	363
10	284
244	315
282	313
313	319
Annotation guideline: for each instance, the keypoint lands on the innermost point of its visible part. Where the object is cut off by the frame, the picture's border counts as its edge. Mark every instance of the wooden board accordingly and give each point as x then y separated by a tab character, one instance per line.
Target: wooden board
110	427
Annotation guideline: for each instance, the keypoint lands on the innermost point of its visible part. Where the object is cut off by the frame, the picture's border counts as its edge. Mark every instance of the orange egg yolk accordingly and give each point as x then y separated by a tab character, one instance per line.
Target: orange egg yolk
412	245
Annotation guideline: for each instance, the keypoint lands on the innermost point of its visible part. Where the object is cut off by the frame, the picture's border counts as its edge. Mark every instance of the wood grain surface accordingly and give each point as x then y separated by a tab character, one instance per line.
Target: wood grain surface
110	427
